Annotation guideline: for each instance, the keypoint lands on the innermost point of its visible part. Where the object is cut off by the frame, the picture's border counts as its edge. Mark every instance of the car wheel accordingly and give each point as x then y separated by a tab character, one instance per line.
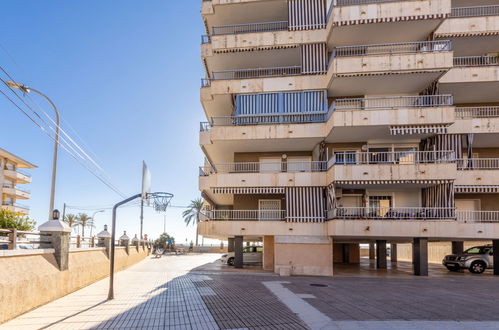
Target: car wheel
230	262
453	268
477	267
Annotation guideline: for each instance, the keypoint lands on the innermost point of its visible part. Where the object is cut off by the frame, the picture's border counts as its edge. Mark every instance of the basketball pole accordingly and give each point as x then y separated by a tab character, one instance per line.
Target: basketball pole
141	217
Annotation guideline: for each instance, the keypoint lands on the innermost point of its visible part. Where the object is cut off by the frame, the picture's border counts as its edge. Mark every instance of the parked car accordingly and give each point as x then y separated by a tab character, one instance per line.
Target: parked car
251	255
476	259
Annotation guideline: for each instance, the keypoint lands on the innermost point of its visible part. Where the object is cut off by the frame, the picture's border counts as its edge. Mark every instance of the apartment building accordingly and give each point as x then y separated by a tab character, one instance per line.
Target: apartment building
12	180
337	123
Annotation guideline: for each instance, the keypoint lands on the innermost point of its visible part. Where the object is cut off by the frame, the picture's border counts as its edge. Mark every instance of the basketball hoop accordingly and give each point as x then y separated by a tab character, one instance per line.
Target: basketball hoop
160	200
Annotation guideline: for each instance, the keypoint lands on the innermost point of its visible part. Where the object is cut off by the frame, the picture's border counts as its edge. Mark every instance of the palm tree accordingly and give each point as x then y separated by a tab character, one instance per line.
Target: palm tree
71	220
192	214
84	220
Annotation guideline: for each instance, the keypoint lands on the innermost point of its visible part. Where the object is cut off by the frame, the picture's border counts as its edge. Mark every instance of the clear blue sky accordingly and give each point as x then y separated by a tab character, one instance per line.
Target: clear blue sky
125	74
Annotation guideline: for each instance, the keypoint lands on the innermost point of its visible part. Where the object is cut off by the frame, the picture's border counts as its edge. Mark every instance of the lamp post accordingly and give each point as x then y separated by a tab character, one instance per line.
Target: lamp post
49	224
93	217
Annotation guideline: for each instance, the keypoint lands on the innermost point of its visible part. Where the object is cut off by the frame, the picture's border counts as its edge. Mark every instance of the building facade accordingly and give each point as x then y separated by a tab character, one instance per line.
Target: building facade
336	123
12	180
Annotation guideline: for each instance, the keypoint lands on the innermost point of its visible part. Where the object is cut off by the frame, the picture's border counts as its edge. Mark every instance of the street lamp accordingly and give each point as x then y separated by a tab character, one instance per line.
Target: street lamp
51	224
93	217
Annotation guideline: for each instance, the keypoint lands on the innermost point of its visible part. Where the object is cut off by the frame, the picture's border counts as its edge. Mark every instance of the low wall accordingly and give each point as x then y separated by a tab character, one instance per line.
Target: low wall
436	250
31	280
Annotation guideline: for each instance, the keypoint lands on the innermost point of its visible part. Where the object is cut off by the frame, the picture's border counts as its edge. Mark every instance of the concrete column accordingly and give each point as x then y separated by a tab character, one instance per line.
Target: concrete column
268	253
457	247
238	252
372	251
346	252
495	246
420	256
230	245
393	252
60	243
381	254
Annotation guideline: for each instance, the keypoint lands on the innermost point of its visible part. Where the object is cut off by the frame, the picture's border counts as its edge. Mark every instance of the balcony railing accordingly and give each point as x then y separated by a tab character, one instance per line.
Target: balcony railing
477	112
205	82
266	167
362	2
12	186
478	164
246	215
476	60
256	73
205	39
204	126
392	213
475	11
249	28
397	157
271	118
393	48
393	102
477	216
21	206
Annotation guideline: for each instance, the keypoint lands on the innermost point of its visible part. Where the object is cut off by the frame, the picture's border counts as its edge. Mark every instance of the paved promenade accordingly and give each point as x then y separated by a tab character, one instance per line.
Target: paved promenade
192	292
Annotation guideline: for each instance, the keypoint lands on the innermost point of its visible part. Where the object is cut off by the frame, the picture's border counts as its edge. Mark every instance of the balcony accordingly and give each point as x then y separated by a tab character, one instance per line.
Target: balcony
256	73
477	112
466	22
477	171
477	216
399	166
15	207
18	176
392	213
376	68
246	215
13	190
367	21
249	28
472	79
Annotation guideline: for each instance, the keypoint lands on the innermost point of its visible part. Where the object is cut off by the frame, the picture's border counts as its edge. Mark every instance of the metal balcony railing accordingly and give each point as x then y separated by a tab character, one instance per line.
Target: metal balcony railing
397	157
477	112
265	167
271	118
393	48
392	213
476	60
478	164
246	215
393	102
204	126
362	2
256	73
205	39
12	186
477	216
475	11
249	28
205	82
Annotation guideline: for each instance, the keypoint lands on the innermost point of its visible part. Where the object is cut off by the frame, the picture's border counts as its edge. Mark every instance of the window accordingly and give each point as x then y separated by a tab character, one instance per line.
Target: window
259	249
380	205
478	250
345	157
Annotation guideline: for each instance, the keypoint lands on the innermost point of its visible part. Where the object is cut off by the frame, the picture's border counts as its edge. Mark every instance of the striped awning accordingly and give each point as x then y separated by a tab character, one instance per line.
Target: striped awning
380	182
467	34
476	189
418	129
384	73
389	19
248	190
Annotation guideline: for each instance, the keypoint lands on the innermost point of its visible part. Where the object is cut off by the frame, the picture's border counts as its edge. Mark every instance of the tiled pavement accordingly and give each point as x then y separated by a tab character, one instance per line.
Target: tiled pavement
190	292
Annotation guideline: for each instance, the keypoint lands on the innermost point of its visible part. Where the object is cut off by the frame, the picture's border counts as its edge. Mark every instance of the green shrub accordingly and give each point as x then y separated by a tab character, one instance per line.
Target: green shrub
11	220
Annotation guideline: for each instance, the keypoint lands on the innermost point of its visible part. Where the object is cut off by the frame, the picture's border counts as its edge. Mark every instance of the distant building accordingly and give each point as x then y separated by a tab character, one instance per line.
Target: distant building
11	179
336	123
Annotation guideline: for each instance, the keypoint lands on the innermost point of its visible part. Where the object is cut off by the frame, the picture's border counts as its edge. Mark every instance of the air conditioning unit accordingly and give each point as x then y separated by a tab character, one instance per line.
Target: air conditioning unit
338	192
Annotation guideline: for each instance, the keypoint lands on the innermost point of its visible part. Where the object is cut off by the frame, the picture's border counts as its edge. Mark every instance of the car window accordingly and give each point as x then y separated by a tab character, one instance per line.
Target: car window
246	250
259	249
478	250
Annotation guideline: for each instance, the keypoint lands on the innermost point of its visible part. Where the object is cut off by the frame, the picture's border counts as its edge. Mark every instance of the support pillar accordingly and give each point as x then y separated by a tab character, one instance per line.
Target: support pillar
59	233
346	252
230	245
393	252
238	251
372	251
495	247
381	254
268	253
457	247
420	256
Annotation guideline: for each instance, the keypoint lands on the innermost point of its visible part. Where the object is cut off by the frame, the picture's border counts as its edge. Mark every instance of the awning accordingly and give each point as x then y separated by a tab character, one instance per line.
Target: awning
476	189
418	129
248	190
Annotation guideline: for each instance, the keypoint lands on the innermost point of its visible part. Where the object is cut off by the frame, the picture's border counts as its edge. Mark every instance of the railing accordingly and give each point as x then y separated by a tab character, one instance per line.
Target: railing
477	112
477	216
475	11
397	157
246	215
21	206
18	171
476	60
478	164
393	102
249	28
205	39
256	73
266	167
12	186
204	126
362	2
205	82
12	239
392	213
393	48
270	118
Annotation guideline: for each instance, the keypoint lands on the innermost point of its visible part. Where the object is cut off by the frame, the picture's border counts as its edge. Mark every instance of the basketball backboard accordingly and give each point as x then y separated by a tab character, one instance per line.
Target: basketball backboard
146	183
